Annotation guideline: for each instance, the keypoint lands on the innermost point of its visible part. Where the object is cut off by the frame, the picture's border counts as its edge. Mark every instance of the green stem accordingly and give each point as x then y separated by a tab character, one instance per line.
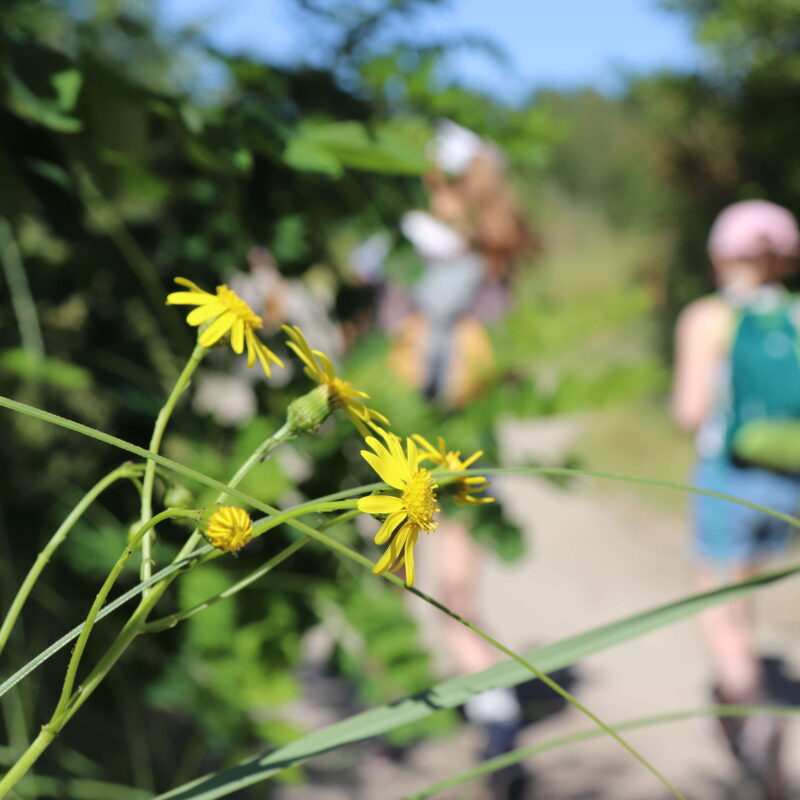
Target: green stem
193	474
125	471
27	759
21	298
521	753
80	645
68	702
357	557
264	450
155	443
172	620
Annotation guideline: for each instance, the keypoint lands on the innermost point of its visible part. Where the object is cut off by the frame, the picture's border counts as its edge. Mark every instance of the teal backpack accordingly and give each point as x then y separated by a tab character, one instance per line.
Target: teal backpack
763	427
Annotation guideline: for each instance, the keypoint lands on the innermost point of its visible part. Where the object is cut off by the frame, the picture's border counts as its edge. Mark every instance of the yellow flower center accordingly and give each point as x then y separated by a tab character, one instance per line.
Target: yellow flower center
419	500
229	528
452	461
237	306
337	390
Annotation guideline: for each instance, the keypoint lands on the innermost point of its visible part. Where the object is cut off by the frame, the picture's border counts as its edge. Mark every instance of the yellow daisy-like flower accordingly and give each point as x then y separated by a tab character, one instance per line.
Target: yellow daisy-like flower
341	393
229	528
410	512
467	486
227	314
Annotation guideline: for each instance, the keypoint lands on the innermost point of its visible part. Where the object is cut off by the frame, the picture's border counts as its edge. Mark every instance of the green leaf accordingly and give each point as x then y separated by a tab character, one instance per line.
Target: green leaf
67	84
318	146
456	691
307	156
49	370
25	103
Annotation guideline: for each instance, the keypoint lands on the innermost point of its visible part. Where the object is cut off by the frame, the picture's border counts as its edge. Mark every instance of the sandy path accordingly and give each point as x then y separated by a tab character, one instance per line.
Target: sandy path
594	557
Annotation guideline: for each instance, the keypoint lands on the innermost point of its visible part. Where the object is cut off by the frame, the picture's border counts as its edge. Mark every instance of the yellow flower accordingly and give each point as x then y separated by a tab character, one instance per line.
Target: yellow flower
409	513
341	393
230	315
229	528
467	486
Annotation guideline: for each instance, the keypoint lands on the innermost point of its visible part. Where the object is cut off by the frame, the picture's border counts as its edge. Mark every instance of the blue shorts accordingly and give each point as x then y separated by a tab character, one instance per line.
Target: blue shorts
727	532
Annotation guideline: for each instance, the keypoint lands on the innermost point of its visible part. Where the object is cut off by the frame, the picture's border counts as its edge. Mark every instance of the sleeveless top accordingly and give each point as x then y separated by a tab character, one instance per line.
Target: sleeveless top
760	379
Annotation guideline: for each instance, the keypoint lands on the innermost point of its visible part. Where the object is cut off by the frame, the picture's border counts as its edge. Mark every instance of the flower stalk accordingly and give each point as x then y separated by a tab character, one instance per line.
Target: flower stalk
164	414
125	471
70	701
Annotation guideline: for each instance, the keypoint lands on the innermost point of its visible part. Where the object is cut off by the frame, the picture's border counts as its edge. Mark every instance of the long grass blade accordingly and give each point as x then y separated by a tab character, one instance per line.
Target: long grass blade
521	753
456	691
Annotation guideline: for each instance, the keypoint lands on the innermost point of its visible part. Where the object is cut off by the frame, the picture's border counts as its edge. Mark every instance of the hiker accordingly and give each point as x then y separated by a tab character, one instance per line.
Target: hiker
737	385
468	241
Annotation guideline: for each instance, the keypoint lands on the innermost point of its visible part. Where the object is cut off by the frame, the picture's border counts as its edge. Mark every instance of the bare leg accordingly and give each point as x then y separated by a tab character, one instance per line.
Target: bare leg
458	564
728	635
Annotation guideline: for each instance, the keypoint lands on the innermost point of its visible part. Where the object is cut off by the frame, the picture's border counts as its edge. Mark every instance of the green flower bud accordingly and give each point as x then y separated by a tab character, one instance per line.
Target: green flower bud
305	414
178	496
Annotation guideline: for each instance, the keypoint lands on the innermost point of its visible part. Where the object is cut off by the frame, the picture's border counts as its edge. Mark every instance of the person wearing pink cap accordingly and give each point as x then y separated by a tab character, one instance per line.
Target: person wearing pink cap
737	368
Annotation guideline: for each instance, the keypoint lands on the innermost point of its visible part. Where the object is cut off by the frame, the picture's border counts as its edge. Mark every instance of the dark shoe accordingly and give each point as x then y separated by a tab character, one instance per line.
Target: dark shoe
760	743
756	743
730	727
511	782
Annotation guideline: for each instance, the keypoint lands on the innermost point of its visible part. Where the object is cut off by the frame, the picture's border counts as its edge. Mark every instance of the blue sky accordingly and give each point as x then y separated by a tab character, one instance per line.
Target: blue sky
561	43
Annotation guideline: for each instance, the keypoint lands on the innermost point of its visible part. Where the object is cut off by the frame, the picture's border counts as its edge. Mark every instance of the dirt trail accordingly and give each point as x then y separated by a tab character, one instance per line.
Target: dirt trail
595	556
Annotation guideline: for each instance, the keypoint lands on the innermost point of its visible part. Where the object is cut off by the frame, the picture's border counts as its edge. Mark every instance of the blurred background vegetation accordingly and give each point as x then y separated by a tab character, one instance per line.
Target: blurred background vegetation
130	154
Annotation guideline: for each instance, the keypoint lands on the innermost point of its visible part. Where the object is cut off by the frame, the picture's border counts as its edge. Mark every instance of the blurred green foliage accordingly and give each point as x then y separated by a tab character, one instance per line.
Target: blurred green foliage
119	171
122	164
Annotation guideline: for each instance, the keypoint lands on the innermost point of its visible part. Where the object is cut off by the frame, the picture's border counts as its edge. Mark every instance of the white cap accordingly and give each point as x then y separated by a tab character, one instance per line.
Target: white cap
454	147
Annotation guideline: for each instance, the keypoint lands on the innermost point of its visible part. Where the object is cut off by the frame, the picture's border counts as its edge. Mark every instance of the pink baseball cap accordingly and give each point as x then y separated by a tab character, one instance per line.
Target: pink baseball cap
752	228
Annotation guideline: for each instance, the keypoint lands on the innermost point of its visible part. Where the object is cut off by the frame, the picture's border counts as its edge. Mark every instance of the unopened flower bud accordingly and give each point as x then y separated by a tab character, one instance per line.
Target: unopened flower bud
228	528
305	414
178	496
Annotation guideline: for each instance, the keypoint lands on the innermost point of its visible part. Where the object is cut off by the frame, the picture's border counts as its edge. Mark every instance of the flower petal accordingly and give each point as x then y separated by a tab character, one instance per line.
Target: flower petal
265	355
393	553
430	450
190	298
380	504
214	332
411	543
301	346
316	372
237	336
389	526
201	314
326	364
473	458
413	454
252	346
387	469
190	284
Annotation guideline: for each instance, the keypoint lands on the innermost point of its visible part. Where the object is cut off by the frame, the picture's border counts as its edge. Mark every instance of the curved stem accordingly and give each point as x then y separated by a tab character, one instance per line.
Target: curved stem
68	702
80	645
263	451
27	760
193	474
155	443
125	471
515	756
172	620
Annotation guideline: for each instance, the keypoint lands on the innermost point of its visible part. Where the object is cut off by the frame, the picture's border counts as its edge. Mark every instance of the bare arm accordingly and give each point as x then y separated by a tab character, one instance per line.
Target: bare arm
702	338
